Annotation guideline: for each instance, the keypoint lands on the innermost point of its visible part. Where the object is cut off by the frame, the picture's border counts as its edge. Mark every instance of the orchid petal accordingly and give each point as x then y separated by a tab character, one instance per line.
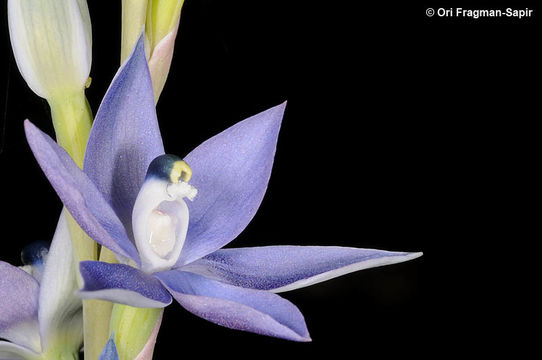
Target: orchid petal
19	307
79	194
59	309
231	171
284	268
251	310
125	136
11	351
122	284
109	351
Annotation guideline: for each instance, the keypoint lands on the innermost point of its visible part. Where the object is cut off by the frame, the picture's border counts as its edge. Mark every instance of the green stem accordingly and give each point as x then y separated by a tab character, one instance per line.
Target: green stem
72	120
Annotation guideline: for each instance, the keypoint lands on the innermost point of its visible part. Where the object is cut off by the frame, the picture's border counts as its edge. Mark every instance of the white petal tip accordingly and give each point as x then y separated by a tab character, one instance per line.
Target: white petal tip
414	255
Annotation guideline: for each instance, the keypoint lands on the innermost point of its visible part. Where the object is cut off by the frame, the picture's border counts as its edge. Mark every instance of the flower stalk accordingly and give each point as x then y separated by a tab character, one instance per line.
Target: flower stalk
52	45
72	120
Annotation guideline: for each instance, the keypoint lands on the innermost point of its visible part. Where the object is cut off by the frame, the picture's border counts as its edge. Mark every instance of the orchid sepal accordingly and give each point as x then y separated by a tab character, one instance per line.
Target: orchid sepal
285	268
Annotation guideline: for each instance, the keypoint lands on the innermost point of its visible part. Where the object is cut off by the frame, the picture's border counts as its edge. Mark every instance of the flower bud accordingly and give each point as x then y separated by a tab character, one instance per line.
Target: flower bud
134	14
161	20
52	44
161	29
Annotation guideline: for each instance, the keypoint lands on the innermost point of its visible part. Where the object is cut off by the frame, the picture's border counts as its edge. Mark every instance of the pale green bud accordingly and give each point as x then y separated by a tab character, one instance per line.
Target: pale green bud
134	14
161	30
162	18
52	44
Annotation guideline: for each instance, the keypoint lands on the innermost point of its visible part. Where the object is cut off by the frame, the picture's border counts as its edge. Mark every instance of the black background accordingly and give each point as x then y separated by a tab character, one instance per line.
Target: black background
402	132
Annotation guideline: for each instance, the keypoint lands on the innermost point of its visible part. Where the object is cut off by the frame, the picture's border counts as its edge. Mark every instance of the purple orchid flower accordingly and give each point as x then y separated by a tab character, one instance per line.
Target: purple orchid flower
130	198
40	315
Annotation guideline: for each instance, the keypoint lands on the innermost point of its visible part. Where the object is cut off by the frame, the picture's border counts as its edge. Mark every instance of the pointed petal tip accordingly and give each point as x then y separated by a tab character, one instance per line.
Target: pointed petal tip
413	255
297	338
272	116
32	132
139	47
109	351
275	112
302	337
140	44
399	257
28	125
280	107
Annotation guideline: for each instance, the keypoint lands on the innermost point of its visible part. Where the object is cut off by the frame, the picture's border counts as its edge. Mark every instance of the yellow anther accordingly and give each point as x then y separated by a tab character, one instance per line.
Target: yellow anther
88	82
181	171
